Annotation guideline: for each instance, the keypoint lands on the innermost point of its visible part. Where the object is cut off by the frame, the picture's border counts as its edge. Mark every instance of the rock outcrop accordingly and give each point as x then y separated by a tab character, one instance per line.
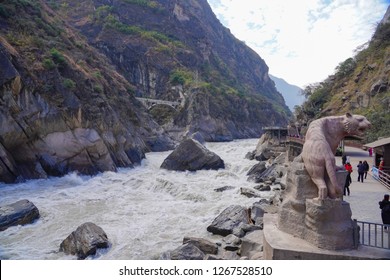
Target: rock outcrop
84	241
62	109
230	221
191	155
178	51
21	212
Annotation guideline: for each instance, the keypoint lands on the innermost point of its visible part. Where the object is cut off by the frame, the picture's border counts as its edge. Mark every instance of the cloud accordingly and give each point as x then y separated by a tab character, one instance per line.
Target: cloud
301	41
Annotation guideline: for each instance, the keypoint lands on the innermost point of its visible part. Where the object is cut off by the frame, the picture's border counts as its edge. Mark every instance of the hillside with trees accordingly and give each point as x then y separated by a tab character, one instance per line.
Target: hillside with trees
360	85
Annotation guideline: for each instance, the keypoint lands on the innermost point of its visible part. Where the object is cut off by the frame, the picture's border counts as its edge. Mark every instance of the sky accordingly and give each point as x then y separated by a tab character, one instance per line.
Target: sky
301	41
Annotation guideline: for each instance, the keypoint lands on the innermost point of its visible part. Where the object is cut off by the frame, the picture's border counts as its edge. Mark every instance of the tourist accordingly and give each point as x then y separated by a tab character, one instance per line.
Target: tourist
344	159
348	179
366	168
380	167
381	164
370	152
385	213
361	169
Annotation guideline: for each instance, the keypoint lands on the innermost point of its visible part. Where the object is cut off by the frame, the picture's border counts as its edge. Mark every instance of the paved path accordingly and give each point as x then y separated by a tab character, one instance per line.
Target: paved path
364	196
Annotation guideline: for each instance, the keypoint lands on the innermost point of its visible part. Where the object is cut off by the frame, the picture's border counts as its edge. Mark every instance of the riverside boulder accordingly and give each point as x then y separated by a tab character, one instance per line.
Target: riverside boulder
192	156
230	221
85	240
187	251
19	213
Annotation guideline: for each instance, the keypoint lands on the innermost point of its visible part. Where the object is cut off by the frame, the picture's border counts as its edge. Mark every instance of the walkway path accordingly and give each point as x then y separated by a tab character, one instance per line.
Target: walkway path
364	196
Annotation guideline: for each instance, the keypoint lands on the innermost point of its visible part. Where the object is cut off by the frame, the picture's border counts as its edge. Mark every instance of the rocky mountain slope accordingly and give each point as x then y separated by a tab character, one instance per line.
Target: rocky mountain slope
71	73
291	93
178	51
63	107
360	85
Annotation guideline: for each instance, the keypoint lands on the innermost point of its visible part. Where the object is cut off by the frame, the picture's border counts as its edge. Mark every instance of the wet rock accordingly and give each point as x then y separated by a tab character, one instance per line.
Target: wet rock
251	227
225	188
255	172
19	213
198	137
204	245
252	245
263	188
231	239
257	213
191	155
249	192
187	252
230	221
84	241
250	155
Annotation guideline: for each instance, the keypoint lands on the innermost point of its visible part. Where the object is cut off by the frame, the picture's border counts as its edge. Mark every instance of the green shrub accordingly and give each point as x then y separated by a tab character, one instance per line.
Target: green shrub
48	64
97	74
180	77
144	3
57	57
98	88
69	84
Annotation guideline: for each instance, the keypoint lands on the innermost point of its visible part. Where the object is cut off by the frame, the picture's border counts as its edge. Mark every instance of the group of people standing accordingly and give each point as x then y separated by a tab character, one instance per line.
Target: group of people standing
362	167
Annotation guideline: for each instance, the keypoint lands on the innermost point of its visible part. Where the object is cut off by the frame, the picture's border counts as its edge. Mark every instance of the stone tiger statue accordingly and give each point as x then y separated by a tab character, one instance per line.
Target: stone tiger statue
321	141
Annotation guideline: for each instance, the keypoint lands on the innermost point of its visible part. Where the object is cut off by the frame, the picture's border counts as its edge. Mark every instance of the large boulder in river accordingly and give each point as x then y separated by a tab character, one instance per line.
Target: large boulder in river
19	213
85	240
191	155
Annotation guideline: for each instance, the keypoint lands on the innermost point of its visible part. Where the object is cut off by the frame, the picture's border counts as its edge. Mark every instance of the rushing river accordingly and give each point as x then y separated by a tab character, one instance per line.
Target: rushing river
145	210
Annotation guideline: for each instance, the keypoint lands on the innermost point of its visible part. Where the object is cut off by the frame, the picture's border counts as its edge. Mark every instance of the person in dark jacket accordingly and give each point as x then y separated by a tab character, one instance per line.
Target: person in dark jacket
384	205
344	159
366	168
360	168
348	180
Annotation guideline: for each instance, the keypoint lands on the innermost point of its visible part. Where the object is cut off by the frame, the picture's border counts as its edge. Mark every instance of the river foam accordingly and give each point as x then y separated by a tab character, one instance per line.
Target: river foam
145	210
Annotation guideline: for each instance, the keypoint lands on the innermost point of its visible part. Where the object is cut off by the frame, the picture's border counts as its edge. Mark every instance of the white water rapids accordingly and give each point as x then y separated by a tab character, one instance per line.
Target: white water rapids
145	210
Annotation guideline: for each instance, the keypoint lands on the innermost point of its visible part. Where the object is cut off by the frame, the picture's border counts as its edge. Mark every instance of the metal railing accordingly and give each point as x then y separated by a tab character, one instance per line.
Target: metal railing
374	235
381	176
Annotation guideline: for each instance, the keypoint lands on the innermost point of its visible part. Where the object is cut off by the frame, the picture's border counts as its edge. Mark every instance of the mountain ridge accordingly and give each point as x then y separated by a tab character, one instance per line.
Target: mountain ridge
69	100
292	94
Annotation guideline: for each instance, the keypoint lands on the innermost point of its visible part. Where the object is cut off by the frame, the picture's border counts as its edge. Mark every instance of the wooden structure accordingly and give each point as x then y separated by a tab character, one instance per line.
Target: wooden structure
381	150
277	132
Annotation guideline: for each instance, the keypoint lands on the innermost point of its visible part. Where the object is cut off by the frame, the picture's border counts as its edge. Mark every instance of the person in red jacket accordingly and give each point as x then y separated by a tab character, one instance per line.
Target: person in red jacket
348	180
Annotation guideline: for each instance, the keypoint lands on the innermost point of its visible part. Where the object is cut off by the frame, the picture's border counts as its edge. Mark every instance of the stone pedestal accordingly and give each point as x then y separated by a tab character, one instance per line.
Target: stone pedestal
279	245
325	223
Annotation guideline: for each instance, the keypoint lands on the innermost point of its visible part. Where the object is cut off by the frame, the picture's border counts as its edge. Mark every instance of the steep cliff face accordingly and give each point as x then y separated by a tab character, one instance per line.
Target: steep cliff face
71	72
62	106
178	51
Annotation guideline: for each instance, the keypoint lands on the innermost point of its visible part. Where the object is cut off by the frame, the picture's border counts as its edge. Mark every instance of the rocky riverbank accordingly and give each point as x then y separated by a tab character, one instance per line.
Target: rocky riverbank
239	229
234	232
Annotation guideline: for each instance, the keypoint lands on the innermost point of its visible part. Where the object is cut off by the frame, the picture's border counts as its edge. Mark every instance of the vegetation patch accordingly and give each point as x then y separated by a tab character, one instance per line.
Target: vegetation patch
181	77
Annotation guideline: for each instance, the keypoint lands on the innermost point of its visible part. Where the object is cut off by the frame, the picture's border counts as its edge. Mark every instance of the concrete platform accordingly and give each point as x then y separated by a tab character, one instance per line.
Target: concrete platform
278	245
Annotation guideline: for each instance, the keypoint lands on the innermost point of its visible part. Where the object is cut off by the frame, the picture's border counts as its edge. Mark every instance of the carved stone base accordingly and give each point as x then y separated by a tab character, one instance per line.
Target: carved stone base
325	223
